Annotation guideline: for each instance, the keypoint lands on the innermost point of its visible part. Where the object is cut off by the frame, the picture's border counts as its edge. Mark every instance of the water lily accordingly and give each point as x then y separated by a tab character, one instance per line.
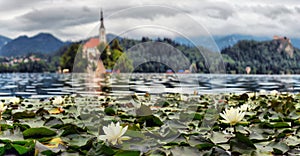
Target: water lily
262	92
114	133
251	94
58	100
232	115
274	92
2	109
15	100
244	107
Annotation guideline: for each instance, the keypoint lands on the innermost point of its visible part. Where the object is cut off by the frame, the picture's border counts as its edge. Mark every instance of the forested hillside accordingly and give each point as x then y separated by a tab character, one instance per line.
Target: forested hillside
265	57
268	57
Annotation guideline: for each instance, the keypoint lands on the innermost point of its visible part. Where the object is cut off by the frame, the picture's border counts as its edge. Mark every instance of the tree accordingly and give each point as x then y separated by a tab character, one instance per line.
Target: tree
115	58
67	60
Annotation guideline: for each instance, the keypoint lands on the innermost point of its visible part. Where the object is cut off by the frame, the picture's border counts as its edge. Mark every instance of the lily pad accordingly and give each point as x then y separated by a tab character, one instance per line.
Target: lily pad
22	115
241	144
36	133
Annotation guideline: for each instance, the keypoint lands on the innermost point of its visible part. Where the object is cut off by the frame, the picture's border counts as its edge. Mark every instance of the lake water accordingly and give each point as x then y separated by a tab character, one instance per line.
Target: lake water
42	85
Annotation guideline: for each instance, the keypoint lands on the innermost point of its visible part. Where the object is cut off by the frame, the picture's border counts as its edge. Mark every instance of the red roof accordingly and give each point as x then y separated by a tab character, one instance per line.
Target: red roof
93	42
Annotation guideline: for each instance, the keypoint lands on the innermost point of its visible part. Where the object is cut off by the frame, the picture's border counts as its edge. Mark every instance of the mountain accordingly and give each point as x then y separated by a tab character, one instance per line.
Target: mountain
41	43
275	56
221	41
3	40
230	40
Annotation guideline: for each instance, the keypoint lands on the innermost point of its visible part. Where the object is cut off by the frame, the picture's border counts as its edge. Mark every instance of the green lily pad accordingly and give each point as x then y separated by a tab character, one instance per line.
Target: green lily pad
151	121
71	129
128	153
36	133
22	115
21	149
242	144
109	111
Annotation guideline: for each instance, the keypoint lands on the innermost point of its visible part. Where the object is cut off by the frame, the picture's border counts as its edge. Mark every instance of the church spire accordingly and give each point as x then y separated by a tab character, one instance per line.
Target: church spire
102	34
101	19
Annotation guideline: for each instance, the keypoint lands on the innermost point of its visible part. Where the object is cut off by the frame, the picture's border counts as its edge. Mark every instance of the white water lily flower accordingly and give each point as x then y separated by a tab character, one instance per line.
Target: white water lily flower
262	92
183	98
58	100
251	94
2	107
274	92
244	107
232	116
15	100
114	134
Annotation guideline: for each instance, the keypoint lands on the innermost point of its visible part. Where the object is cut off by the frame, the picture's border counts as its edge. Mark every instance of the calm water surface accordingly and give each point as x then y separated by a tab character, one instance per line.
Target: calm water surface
40	85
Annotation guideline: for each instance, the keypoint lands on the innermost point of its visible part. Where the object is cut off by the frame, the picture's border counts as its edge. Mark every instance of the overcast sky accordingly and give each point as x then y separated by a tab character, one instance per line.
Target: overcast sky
77	19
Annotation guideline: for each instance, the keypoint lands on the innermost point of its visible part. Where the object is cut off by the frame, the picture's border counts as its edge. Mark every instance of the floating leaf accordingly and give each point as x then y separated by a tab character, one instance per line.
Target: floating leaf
200	142
56	111
53	121
21	150
144	111
71	129
109	111
128	153
279	147
23	115
36	133
150	121
241	144
101	149
218	137
180	151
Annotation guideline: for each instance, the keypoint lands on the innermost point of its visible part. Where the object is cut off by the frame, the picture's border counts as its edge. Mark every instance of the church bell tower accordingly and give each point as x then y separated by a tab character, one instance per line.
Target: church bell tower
102	35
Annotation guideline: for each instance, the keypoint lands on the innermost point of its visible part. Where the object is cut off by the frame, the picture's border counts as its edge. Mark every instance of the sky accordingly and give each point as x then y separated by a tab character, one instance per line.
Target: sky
77	19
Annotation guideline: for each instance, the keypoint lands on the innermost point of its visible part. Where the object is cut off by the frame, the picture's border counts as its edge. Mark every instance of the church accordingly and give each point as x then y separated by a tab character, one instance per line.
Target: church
91	51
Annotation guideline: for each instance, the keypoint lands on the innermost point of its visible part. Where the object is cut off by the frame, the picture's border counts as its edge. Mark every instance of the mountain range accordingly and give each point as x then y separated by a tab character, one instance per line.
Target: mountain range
46	43
3	41
229	40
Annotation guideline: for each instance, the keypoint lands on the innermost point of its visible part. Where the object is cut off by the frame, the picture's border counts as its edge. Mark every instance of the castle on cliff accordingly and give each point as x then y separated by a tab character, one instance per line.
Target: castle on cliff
285	45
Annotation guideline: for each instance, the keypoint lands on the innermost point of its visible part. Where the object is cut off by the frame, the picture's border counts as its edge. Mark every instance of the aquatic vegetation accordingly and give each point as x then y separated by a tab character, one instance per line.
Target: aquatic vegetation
2	109
58	100
14	100
232	115
260	124
114	133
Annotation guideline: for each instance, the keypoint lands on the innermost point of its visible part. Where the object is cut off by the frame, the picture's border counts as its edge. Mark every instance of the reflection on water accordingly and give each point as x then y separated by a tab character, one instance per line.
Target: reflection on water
38	85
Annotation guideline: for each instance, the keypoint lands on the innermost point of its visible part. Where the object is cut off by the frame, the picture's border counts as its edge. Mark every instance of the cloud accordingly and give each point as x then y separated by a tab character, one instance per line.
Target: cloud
146	12
16	4
55	18
71	19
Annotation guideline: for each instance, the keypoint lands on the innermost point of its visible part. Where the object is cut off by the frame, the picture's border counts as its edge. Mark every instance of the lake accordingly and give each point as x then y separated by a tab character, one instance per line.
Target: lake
43	85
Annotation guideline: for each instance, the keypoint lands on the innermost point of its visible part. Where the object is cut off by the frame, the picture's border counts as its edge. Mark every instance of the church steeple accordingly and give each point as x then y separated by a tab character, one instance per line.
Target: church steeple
102	35
101	19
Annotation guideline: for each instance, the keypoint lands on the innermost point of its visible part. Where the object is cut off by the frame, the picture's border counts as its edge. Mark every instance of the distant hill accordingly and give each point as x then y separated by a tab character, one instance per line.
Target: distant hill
222	41
44	43
230	40
3	40
265	57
